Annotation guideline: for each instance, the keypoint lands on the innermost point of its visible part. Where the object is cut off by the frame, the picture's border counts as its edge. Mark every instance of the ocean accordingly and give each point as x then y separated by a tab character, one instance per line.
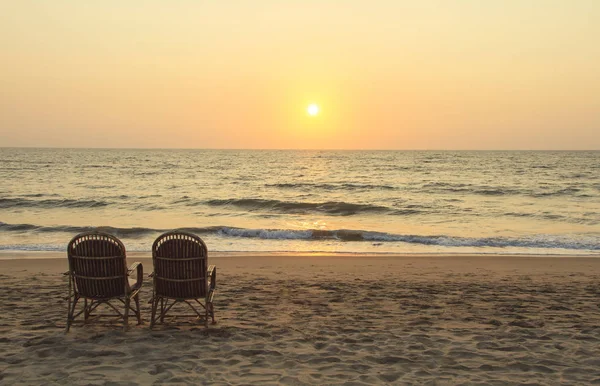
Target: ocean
523	202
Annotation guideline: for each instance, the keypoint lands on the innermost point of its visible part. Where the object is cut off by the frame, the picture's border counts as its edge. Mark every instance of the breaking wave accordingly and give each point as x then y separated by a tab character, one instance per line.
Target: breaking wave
589	242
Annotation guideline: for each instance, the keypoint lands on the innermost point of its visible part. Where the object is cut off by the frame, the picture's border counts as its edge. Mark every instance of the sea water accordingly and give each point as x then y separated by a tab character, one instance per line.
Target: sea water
306	201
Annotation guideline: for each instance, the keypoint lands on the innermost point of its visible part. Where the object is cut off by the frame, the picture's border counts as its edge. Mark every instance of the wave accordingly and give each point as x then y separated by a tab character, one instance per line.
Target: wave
53	203
542	241
41	195
6	203
125	232
444	187
325	186
559	192
335	208
331	207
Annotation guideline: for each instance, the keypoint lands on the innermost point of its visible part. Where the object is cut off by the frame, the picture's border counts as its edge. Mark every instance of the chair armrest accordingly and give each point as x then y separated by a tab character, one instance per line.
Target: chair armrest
137	266
212	277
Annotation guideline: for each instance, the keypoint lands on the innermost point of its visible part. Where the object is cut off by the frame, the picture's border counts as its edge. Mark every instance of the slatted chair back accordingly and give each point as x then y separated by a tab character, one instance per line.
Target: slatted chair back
97	264
180	263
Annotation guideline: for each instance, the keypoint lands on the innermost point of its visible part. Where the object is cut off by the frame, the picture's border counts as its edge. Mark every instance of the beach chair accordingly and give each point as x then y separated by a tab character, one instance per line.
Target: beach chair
182	275
98	274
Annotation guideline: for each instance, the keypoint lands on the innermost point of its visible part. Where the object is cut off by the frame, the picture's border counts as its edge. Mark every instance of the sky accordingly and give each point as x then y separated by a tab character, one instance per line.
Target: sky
386	74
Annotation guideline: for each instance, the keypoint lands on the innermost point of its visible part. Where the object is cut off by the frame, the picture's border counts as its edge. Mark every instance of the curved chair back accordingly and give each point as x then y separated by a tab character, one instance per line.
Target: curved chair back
97	265
180	264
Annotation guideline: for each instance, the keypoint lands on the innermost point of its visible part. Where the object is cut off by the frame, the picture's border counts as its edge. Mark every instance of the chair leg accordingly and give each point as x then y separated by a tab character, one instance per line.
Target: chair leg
86	310
153	315
71	311
126	316
137	307
68	314
212	313
162	310
206	316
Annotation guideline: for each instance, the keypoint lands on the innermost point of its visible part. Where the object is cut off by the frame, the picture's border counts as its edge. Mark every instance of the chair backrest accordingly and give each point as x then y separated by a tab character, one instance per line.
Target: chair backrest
97	265
180	262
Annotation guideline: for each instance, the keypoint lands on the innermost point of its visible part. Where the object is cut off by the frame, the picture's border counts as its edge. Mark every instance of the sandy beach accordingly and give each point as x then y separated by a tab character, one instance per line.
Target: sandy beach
322	319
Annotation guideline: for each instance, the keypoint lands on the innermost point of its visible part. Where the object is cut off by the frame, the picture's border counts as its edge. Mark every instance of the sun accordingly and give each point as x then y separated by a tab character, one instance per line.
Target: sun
312	109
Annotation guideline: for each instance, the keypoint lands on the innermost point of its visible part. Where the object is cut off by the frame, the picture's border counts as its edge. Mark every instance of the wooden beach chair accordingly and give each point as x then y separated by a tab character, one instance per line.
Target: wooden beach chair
98	274
182	275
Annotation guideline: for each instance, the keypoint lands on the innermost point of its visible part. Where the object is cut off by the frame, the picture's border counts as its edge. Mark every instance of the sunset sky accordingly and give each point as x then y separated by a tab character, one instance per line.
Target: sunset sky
394	74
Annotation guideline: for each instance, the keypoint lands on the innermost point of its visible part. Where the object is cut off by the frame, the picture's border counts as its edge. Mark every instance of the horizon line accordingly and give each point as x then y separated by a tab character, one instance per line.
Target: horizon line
278	149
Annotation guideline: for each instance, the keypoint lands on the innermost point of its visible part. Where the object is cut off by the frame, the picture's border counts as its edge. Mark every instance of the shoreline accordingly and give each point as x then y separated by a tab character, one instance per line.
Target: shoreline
303	264
41	255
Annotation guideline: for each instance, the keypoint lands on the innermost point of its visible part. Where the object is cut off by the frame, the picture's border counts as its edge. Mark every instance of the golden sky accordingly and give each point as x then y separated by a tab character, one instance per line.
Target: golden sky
421	74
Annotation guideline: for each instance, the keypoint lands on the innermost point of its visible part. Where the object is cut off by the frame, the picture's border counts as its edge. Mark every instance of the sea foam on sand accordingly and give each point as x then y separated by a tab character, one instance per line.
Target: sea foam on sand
323	319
